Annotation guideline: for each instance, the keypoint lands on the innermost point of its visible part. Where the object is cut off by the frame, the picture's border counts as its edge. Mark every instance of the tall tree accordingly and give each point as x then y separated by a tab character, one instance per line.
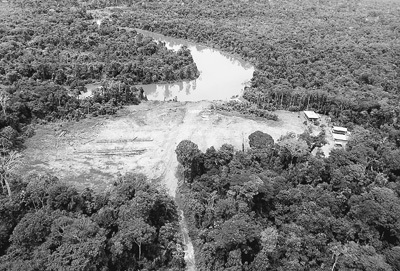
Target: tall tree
8	164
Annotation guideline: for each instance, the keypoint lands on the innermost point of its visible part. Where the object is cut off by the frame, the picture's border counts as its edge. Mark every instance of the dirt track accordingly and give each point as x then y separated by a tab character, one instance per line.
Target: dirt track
140	138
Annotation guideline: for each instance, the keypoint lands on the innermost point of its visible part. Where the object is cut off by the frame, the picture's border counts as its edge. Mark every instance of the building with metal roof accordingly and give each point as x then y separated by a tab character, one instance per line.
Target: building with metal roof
311	115
340	134
339	130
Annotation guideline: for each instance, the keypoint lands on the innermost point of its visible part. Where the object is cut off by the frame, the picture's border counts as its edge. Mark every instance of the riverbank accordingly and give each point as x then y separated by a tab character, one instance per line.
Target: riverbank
221	75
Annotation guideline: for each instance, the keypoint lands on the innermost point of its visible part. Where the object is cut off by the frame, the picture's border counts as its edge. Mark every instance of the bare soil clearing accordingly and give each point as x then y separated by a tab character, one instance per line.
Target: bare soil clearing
142	139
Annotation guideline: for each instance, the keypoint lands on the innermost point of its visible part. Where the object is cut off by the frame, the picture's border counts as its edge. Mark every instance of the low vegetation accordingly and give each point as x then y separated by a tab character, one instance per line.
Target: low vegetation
245	108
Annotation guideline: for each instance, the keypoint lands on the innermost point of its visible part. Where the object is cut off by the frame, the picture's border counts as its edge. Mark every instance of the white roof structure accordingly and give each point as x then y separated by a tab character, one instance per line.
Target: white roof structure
311	115
338	137
339	129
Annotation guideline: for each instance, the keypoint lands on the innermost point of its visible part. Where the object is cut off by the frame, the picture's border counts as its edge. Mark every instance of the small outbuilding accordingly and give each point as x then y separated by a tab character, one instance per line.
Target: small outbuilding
311	115
339	130
340	134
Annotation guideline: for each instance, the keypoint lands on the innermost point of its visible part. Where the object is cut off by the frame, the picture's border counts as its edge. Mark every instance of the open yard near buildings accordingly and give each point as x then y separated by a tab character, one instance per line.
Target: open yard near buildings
142	139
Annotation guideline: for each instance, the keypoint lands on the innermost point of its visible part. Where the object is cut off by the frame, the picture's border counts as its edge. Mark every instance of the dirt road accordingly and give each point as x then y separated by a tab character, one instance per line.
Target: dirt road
143	138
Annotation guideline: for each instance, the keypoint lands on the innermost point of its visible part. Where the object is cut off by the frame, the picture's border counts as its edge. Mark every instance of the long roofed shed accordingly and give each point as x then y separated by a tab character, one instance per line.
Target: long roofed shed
339	130
311	115
339	133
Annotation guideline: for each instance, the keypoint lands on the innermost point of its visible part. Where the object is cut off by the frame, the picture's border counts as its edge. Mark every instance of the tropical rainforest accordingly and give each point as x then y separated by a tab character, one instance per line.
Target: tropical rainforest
50	225
277	205
49	52
340	58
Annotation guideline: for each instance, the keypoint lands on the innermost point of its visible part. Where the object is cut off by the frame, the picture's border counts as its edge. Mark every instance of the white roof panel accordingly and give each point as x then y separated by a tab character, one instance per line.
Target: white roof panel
337	128
311	115
339	137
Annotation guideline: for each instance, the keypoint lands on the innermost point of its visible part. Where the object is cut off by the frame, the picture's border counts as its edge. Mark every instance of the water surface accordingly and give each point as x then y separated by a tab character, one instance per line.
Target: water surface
221	75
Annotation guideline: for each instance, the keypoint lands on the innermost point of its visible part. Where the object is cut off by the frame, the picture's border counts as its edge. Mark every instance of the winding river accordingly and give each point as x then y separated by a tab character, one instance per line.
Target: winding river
221	75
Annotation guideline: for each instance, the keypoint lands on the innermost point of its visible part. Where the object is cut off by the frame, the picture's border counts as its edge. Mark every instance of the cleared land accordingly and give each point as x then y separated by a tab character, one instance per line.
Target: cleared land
142	139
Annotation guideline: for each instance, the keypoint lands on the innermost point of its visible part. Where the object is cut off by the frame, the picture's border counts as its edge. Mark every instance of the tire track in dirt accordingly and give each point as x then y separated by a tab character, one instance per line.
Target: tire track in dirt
183	131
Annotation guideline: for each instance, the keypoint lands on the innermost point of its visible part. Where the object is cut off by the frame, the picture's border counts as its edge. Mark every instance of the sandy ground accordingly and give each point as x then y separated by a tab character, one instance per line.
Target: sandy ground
142	139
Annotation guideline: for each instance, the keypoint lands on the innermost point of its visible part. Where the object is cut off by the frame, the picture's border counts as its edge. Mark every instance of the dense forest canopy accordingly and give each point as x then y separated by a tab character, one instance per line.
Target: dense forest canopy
50	225
49	51
68	46
276	206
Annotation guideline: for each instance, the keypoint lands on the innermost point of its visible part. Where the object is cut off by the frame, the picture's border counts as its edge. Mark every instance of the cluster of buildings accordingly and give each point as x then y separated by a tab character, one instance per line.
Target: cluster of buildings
339	134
